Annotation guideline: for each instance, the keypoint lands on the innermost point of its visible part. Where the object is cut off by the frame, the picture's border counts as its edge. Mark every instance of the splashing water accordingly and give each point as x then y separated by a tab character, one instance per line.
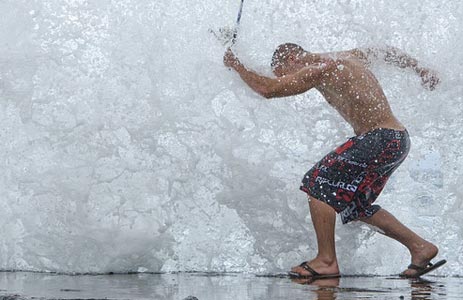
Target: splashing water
127	146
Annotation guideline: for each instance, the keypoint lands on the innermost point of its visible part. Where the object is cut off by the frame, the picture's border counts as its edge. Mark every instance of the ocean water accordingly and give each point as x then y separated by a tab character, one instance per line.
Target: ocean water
128	146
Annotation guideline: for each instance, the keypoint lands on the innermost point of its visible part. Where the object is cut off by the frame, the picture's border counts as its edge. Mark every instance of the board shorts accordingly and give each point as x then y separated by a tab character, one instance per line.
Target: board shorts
351	177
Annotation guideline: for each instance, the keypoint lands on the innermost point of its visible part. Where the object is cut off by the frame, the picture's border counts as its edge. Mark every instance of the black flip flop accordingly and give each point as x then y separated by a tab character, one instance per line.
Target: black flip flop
314	274
421	270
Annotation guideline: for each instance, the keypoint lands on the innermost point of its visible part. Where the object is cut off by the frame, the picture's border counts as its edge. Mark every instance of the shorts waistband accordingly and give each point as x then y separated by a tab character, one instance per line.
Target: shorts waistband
385	129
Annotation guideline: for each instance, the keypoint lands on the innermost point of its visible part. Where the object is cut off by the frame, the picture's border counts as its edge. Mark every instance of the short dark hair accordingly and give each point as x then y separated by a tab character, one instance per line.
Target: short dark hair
280	55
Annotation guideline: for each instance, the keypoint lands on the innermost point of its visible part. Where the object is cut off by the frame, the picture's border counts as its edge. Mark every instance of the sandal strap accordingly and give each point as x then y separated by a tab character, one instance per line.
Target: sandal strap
419	268
309	269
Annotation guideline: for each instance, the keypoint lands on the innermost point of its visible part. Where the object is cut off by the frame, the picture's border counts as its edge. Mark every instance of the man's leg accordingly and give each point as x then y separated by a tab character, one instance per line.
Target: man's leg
324	220
421	250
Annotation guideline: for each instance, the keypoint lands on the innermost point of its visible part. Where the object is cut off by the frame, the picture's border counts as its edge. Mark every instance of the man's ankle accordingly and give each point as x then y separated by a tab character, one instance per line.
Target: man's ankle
327	260
423	246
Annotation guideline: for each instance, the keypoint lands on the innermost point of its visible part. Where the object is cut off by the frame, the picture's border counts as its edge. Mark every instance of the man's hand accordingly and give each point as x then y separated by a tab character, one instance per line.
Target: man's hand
429	78
229	59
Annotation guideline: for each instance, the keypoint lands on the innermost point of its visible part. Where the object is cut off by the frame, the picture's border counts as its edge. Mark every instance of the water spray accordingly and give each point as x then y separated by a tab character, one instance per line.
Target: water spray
227	35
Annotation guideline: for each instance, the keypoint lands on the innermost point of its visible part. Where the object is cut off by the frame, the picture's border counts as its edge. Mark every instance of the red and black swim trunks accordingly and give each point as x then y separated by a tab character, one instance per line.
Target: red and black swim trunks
351	177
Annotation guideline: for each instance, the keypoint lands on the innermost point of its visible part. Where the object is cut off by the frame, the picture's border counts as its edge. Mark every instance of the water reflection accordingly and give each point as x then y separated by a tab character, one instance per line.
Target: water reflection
421	289
414	289
225	287
326	289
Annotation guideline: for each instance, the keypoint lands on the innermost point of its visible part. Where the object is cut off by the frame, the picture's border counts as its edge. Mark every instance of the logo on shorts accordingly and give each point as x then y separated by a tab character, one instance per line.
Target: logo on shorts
350	213
352	162
338	184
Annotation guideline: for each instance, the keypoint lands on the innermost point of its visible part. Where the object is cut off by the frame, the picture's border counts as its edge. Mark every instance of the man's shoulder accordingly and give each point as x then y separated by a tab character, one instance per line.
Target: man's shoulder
355	53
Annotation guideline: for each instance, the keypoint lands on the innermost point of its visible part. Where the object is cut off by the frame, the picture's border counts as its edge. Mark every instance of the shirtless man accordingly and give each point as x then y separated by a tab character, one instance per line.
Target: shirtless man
349	179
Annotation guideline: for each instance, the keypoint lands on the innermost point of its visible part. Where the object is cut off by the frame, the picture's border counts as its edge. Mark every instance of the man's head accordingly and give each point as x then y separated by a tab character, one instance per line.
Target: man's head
287	59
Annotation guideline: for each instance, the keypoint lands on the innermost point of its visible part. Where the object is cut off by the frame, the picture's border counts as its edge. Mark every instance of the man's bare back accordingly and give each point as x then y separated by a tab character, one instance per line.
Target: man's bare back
357	95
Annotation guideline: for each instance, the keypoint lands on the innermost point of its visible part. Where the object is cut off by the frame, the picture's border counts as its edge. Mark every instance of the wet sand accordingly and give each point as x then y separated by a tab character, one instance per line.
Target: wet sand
24	285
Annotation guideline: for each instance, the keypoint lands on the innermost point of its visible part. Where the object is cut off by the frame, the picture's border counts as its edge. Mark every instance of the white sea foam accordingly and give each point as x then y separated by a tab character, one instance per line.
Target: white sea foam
126	145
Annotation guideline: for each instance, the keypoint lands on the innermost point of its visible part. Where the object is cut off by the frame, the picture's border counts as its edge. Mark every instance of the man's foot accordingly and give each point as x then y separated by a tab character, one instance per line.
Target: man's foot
322	268
421	256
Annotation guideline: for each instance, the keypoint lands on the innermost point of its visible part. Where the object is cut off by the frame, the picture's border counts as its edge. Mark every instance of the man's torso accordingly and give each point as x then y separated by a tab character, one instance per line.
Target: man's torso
357	95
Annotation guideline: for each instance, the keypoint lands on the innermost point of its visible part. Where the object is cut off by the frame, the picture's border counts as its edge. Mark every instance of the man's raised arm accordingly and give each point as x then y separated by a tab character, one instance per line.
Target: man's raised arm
292	84
401	59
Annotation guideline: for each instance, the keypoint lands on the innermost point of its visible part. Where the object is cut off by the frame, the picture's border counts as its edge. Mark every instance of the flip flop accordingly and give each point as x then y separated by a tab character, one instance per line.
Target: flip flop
314	275
421	270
